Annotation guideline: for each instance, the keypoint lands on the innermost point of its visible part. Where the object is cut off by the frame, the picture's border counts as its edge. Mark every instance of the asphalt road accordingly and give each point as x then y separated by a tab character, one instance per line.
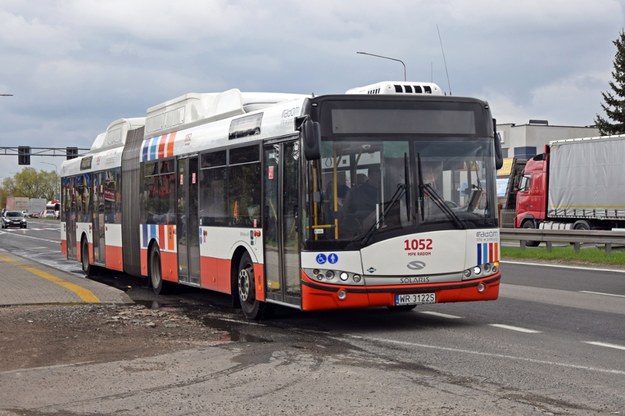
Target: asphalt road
554	343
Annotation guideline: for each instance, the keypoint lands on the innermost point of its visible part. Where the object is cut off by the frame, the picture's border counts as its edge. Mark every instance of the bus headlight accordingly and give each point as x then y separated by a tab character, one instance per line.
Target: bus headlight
482	270
334	276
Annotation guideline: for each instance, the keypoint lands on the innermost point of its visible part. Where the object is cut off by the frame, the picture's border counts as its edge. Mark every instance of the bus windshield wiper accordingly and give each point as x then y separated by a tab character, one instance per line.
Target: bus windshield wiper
426	188
420	187
407	188
399	193
440	203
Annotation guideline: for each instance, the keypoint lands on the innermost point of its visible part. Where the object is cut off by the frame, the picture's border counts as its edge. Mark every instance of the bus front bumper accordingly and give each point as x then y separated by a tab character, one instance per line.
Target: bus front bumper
320	296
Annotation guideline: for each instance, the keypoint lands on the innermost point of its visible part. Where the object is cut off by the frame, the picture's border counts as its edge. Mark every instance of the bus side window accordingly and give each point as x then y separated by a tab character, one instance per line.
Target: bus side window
213	203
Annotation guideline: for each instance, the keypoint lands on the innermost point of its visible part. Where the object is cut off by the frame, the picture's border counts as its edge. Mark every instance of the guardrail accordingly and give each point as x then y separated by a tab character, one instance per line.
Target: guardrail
607	238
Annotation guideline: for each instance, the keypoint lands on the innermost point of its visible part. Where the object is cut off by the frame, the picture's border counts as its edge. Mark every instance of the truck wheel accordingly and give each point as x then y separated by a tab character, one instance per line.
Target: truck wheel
251	307
529	224
581	225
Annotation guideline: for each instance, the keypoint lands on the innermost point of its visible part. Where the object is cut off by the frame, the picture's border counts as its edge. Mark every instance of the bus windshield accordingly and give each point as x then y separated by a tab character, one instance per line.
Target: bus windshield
368	188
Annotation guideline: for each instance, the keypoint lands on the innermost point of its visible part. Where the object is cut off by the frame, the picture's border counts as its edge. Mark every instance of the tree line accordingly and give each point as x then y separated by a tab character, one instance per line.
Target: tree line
30	183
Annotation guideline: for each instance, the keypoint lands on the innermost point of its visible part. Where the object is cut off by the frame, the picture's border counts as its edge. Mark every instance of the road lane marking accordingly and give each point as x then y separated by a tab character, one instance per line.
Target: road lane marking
601	293
489	355
440	315
605	344
516	328
84	294
47	240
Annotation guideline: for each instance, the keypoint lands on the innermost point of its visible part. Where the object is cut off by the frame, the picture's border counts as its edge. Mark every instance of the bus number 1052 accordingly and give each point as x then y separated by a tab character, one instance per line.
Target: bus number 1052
418	244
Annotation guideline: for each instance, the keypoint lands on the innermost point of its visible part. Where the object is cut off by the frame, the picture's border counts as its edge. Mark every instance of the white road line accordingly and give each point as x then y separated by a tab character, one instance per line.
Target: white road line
604	344
516	328
601	293
492	355
440	315
36	238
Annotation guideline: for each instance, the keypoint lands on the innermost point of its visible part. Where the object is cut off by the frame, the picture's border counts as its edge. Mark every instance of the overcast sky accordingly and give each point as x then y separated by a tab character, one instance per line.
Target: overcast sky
73	66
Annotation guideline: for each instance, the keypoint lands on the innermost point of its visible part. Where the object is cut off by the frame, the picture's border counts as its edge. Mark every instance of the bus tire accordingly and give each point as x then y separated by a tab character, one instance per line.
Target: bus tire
246	288
84	257
159	287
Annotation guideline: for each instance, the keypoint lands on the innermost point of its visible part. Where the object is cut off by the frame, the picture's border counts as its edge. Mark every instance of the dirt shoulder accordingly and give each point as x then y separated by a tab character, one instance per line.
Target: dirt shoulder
44	335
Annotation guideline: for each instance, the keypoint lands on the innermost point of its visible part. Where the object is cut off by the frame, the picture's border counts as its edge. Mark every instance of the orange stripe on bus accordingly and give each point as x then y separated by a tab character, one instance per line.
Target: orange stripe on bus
114	258
170	144
169	266
260	282
143	259
161	236
215	274
171	232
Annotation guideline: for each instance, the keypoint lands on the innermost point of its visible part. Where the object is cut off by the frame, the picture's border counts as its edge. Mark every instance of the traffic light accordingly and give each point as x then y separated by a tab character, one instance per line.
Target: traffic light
23	155
71	152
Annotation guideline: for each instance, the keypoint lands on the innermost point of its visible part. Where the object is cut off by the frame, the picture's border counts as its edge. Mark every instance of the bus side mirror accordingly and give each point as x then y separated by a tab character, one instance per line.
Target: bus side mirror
312	139
498	151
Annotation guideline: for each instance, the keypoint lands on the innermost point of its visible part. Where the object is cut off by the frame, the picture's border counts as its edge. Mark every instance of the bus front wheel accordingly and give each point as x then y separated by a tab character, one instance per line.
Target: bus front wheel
251	307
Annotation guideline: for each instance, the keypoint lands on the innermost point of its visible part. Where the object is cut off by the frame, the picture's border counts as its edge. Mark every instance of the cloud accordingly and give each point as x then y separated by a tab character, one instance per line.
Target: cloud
76	65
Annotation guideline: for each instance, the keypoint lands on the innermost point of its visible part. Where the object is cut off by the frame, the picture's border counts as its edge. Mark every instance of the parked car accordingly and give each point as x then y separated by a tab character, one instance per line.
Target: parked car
13	219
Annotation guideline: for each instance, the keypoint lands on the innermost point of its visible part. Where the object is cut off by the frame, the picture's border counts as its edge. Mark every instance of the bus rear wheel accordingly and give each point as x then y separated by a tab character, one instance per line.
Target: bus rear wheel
251	307
156	275
84	257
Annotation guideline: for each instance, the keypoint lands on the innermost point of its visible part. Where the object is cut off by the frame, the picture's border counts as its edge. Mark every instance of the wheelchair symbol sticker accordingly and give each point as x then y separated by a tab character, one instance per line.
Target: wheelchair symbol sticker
321	258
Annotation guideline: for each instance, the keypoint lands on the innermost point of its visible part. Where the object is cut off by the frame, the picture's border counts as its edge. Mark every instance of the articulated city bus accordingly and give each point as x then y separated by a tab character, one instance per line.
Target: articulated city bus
381	197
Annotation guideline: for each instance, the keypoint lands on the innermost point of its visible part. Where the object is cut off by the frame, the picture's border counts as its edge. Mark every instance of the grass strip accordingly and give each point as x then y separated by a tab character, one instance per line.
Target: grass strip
589	255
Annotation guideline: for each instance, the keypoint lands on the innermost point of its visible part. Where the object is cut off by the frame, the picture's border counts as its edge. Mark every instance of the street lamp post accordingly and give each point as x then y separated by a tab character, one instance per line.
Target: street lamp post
386	57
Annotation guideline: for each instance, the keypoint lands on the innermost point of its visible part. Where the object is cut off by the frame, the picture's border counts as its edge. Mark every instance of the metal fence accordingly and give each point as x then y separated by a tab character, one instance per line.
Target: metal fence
607	238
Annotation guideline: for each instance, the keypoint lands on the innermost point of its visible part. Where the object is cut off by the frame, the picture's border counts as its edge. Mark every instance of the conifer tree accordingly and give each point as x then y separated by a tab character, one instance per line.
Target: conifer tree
614	100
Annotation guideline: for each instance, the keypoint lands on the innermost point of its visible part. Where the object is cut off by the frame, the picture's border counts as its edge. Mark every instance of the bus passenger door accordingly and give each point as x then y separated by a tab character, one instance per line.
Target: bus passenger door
281	222
99	247
187	224
70	217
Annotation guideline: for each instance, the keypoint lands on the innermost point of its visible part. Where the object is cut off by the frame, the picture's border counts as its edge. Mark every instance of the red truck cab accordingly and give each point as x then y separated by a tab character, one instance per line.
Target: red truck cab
531	199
